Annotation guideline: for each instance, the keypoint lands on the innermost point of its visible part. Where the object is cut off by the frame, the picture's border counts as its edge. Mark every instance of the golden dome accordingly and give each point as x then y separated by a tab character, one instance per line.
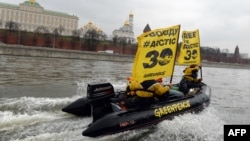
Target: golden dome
32	1
126	23
91	25
131	14
99	30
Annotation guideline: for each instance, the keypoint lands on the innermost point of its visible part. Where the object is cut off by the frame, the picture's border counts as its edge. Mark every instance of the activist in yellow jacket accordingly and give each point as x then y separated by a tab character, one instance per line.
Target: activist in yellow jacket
191	73
190	78
146	92
148	88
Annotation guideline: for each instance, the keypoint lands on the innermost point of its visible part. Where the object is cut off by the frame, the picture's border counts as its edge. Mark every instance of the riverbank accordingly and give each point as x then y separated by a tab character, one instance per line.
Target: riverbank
17	50
225	65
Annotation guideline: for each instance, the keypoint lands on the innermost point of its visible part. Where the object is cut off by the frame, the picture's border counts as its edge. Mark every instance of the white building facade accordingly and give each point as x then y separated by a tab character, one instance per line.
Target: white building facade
29	15
126	31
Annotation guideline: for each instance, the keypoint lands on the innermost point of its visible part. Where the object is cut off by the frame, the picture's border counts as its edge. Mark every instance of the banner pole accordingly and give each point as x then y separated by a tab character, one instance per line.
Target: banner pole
175	56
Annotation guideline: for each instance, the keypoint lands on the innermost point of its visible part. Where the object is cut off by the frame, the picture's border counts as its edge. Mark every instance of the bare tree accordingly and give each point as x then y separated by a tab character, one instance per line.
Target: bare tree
41	29
122	40
123	43
56	31
10	25
102	36
76	33
91	34
1	23
75	37
91	37
60	29
115	39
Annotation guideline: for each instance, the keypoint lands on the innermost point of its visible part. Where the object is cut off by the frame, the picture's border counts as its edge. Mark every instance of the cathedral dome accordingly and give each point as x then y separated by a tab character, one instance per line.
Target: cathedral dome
126	23
31	2
131	14
90	26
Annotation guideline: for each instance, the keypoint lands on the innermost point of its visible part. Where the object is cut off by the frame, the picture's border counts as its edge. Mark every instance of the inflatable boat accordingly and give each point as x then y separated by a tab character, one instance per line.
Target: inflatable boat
108	117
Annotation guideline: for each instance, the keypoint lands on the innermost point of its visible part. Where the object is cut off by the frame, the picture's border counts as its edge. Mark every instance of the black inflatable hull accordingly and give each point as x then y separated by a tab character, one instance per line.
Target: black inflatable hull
79	108
131	119
124	120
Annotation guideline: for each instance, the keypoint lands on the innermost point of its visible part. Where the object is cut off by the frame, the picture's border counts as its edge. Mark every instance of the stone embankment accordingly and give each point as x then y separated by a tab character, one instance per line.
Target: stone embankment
225	65
17	50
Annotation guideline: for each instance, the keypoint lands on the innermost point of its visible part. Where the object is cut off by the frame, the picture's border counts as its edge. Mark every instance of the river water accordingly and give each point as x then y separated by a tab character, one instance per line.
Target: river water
33	90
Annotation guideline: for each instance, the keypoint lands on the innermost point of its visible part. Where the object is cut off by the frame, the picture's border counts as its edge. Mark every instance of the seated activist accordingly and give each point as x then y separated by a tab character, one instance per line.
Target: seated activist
190	79
147	92
173	93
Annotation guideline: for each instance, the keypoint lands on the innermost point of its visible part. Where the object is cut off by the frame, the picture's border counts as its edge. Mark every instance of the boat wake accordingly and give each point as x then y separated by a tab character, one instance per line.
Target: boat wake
31	118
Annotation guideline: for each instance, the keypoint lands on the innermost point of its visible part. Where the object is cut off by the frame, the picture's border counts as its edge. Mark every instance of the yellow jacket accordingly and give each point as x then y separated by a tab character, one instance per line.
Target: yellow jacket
191	70
148	88
191	79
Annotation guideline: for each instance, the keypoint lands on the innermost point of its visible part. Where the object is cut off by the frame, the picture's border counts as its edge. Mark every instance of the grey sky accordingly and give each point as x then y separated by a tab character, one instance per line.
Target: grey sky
222	23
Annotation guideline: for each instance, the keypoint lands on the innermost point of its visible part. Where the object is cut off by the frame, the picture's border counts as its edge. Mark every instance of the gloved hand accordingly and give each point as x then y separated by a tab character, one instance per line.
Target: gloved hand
199	80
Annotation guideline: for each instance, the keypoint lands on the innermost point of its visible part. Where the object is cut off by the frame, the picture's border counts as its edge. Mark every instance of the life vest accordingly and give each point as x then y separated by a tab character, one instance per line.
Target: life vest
191	70
148	88
191	79
191	73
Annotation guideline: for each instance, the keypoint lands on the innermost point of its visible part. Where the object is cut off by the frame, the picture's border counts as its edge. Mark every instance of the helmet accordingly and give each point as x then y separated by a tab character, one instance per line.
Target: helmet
129	78
193	66
159	80
190	71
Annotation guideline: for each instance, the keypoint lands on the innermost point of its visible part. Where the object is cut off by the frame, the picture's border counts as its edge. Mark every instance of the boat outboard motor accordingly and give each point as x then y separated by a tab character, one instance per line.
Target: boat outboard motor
98	95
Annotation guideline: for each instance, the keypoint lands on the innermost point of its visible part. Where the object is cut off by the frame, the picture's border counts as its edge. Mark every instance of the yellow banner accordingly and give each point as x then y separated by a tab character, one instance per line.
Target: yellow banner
190	48
155	56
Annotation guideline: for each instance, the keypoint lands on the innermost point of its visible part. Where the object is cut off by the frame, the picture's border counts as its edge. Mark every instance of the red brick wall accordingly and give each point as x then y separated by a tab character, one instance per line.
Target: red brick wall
41	40
31	39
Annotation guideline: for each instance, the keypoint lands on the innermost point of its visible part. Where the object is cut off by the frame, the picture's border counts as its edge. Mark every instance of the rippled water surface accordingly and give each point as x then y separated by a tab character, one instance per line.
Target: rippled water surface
33	91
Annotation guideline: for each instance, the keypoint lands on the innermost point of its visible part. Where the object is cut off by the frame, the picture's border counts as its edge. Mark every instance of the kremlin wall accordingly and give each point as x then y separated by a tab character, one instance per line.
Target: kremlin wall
63	42
27	51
